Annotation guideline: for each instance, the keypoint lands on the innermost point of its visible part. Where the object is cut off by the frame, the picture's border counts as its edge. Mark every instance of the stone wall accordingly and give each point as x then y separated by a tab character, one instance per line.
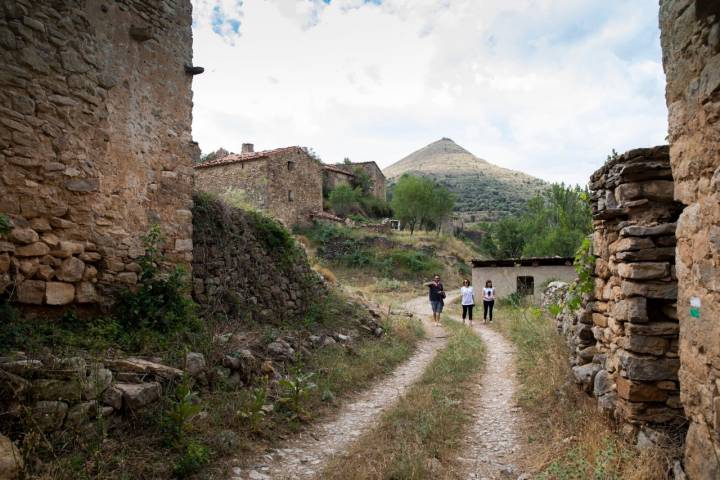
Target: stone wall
95	142
334	177
691	57
247	178
244	269
377	178
626	339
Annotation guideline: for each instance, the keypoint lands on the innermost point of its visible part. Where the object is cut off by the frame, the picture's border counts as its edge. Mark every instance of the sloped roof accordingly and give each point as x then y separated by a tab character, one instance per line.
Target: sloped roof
336	169
524	262
247	157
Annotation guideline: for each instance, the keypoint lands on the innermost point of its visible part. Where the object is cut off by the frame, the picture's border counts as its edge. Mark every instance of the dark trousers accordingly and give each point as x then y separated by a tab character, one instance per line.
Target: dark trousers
487	308
467	309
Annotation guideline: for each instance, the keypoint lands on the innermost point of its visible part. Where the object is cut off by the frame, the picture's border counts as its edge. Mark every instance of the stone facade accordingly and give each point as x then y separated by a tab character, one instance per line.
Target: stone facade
625	340
334	177
95	142
285	183
376	176
508	275
691	57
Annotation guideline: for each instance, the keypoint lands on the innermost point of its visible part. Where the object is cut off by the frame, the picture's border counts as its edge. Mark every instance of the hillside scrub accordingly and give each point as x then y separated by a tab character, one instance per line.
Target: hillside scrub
418	438
552	224
576	441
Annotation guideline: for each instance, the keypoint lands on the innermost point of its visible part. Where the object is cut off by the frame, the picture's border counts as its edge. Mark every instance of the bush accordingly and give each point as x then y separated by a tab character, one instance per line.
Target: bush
5	224
375	207
343	200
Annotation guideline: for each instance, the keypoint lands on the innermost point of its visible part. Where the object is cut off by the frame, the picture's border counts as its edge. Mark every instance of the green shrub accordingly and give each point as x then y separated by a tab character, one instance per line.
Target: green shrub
5	224
194	457
375	207
343	200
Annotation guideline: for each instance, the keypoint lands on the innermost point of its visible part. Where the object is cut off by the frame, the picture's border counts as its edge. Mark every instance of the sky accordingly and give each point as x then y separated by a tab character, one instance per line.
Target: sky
547	87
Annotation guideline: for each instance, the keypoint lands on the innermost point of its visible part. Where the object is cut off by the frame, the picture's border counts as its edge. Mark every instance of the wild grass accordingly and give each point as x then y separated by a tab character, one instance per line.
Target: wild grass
418	438
567	438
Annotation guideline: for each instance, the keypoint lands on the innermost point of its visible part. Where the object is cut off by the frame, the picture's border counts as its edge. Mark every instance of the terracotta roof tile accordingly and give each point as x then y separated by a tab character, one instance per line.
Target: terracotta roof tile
247	157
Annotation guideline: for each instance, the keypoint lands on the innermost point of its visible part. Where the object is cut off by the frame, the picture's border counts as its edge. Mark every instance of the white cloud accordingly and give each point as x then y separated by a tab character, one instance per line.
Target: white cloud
544	86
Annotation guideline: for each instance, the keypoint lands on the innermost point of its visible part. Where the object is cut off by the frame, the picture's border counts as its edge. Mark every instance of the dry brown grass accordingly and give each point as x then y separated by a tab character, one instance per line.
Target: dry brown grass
418	438
565	435
326	273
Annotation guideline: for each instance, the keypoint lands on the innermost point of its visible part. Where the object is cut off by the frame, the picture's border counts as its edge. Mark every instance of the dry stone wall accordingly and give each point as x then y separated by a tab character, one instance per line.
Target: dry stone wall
244	270
95	142
625	339
691	57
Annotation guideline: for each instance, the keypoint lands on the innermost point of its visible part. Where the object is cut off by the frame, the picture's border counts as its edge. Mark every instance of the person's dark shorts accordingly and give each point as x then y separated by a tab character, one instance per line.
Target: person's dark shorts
437	307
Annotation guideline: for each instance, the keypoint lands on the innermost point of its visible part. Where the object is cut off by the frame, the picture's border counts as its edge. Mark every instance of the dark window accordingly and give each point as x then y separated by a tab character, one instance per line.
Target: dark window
291	195
525	285
291	166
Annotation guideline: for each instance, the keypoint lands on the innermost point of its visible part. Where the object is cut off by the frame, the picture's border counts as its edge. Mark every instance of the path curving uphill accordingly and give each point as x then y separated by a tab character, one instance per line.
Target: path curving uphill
306	454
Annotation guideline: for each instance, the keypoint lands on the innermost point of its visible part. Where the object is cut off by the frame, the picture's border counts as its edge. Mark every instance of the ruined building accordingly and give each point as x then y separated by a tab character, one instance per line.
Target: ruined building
691	57
286	182
95	142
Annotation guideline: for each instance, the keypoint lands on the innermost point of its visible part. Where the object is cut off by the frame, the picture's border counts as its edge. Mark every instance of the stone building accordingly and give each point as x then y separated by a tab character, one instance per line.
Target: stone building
334	174
625	341
524	276
286	183
691	57
95	142
334	177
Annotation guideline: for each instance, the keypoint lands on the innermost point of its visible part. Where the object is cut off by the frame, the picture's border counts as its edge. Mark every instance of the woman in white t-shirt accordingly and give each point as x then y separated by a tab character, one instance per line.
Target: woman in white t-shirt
468	300
488	301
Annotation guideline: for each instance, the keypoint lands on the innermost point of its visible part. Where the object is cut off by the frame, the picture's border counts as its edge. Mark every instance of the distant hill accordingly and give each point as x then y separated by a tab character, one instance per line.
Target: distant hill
484	191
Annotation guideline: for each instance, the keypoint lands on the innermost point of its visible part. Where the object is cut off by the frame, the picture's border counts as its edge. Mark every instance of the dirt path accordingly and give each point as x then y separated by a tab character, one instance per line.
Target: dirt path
306	454
491	445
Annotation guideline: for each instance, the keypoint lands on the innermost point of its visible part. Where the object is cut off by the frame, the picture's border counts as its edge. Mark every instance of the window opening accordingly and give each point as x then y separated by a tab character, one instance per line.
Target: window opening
525	285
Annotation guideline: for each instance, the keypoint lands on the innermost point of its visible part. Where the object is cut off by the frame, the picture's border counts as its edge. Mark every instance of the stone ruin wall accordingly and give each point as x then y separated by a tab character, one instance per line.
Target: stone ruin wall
95	142
295	193
629	333
691	57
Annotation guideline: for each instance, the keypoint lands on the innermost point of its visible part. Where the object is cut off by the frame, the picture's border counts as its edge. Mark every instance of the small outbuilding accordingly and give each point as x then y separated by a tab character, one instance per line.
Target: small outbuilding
525	276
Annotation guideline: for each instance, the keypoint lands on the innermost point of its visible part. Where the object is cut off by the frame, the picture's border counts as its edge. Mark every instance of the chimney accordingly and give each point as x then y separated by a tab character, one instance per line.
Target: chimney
247	148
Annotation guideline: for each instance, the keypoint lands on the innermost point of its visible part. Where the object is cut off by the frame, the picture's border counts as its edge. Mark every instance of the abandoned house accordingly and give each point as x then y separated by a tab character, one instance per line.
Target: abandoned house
286	182
343	172
526	276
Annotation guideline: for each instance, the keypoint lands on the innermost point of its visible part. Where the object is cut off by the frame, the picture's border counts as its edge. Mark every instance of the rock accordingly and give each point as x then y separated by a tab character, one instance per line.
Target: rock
328	340
677	470
648	368
129	278
268	369
653	329
667	291
54	389
342	338
31	292
644	231
649	438
85	293
378	332
24	235
639	392
96	383
603	383
137	395
138	365
113	397
49	415
585	374
71	270
67	249
36	249
11	461
281	350
82	185
81	413
631	310
642	344
194	363
59	293
232	362
644	271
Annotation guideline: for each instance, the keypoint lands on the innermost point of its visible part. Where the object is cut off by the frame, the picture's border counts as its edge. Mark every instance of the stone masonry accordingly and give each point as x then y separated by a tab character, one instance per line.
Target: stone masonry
376	176
95	142
286	183
626	338
691	57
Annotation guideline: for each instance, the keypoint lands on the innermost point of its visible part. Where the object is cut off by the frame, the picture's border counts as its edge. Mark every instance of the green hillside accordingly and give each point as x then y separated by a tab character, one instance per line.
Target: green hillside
484	191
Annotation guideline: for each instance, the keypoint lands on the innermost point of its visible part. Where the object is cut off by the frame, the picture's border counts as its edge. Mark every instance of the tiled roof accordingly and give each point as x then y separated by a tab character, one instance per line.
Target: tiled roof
246	157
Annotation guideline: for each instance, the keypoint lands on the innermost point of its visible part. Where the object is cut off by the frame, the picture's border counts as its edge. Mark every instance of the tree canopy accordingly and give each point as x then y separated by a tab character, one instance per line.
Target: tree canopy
553	223
418	201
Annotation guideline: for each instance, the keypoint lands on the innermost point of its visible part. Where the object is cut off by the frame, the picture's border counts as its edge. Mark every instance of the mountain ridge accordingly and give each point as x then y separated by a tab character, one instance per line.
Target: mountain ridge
484	191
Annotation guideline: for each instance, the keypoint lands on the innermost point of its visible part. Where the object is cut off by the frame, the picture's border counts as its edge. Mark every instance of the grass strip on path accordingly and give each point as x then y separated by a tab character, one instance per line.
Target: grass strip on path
569	439
418	438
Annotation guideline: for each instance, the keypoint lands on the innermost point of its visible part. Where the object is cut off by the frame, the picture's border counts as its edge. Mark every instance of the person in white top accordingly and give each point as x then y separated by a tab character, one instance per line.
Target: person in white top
488	301
468	300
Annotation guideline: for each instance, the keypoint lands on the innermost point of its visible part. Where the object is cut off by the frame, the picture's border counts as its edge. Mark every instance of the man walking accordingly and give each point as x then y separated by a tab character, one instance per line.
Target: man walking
437	298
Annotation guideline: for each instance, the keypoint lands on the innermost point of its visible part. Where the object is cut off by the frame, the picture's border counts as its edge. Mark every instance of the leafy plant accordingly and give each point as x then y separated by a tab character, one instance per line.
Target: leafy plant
584	266
194	457
5	224
254	411
183	407
344	199
294	390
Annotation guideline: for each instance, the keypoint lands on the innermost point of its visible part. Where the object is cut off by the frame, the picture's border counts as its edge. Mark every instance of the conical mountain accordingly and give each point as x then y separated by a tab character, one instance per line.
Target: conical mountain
483	191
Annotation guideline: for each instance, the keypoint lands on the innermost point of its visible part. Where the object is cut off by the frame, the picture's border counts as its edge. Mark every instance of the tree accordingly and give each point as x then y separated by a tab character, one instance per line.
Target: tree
418	201
362	180
219	153
343	199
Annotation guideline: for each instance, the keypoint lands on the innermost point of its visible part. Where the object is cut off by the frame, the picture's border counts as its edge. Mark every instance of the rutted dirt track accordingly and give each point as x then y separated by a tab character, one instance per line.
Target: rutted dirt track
305	455
491	442
491	445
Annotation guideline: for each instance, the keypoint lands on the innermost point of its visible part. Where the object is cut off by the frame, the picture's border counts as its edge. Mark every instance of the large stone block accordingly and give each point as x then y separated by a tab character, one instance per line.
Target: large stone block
644	271
71	270
31	292
632	309
137	395
646	369
664	290
639	392
642	344
60	293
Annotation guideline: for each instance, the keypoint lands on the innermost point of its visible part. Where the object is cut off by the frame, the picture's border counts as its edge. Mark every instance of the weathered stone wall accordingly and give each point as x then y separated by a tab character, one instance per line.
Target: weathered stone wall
377	178
241	269
334	177
95	142
626	339
691	57
248	178
294	187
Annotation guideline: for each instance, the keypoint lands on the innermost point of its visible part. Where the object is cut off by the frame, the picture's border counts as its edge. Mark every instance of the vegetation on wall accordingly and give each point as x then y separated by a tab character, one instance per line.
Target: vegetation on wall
553	224
419	202
347	200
